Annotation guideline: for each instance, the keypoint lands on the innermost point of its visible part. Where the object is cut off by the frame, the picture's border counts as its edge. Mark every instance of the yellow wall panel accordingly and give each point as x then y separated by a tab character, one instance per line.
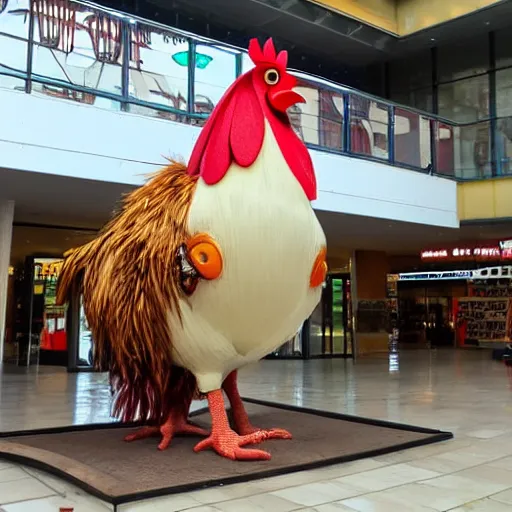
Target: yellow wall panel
414	15
489	199
379	13
404	17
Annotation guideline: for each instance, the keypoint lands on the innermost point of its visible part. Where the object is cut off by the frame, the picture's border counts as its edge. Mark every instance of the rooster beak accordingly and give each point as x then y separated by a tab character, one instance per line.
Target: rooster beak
283	100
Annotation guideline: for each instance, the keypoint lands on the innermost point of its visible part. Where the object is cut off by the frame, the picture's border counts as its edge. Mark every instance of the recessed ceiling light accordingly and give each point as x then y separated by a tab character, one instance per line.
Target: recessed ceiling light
432	39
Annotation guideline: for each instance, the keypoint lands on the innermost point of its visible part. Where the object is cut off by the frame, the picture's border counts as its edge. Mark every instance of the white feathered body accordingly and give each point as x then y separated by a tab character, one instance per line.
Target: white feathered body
269	237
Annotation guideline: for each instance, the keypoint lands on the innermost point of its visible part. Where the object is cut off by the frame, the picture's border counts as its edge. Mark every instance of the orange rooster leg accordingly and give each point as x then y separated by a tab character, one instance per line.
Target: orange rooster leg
225	441
176	424
242	424
319	270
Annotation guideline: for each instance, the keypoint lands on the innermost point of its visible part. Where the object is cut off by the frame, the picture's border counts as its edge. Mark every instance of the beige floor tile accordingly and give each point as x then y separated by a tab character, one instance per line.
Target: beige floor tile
258	503
504	497
376	502
389	476
422	495
52	504
164	504
202	508
485	505
328	507
225	493
26	489
472	486
12	473
317	493
503	463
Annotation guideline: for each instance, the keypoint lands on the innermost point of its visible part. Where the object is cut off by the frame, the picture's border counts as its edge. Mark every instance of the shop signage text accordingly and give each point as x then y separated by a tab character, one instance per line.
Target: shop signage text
465	253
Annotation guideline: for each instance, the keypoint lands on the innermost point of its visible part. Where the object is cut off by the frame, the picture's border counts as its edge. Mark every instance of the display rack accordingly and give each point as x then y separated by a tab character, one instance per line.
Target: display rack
486	320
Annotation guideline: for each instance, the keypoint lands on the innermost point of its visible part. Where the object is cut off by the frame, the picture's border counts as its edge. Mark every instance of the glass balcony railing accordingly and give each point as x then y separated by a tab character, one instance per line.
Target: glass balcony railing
80	52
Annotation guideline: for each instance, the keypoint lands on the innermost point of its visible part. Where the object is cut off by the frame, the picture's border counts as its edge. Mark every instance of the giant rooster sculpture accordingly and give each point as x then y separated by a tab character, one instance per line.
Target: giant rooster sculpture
207	267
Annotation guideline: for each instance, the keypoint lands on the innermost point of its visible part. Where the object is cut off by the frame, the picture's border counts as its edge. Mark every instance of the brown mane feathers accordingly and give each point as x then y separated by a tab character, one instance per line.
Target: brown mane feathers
129	280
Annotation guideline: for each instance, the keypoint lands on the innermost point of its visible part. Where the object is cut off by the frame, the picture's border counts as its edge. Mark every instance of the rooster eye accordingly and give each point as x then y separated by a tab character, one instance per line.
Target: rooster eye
271	77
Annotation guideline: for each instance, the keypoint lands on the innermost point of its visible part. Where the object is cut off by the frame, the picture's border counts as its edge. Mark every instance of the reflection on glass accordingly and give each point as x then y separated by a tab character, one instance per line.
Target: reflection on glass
12	83
472	151
159	68
503	143
85	343
338	327
465	101
504	92
420	99
77	46
212	79
394	363
316	331
292	348
48	319
444	137
247	63
13	55
14	18
369	127
412	139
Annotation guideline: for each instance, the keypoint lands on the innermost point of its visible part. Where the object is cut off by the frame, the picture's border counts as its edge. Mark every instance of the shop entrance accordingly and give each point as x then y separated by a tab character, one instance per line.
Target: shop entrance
331	331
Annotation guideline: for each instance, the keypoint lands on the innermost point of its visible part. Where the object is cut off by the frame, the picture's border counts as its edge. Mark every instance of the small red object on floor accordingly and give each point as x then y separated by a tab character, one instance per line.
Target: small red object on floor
66	509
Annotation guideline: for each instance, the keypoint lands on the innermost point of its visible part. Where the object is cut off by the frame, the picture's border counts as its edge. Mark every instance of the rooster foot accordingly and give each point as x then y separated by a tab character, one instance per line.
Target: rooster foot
271	433
229	444
167	430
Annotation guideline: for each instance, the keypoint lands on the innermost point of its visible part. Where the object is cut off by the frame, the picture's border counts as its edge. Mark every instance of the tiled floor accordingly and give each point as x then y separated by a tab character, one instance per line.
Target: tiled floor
464	392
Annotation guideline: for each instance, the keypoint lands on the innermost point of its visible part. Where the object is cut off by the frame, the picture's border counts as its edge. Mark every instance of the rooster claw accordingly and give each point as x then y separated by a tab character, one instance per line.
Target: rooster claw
229	445
168	430
271	433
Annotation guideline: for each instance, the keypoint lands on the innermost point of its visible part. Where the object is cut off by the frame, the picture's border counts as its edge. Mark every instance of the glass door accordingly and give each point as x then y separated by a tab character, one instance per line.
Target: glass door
331	323
81	346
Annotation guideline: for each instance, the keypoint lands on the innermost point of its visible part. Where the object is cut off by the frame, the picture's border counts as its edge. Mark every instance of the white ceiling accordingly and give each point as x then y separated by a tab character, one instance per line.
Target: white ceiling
48	200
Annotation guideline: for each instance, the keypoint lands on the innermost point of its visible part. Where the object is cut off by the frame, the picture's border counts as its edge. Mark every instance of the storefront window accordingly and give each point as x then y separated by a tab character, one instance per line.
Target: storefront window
49	336
465	101
472	151
411	73
464	59
503	145
420	99
503	42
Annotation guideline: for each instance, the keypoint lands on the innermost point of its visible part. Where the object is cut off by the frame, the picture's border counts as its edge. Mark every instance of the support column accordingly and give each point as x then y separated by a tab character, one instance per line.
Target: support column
6	219
370	270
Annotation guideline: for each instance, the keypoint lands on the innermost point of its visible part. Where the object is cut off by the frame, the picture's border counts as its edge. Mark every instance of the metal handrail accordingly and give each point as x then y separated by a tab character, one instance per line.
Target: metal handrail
124	98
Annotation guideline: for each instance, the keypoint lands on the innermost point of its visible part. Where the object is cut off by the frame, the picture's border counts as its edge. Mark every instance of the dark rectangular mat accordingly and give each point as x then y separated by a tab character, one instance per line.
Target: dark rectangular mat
95	458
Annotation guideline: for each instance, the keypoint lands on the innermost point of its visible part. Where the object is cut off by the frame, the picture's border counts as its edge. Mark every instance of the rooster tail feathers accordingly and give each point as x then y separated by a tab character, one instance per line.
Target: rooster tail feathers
71	273
130	281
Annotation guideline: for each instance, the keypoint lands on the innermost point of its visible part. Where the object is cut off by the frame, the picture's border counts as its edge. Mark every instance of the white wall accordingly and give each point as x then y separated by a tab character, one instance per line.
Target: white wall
61	137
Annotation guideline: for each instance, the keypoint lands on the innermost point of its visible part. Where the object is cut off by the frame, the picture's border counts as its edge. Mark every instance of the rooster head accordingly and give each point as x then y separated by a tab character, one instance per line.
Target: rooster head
235	130
271	78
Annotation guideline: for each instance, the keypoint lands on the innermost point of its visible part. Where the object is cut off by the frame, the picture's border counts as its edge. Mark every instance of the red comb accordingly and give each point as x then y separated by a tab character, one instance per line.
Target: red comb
268	54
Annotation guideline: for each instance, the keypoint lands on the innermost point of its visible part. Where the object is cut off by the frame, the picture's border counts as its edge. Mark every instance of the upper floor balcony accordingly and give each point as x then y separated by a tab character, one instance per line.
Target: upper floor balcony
95	94
82	53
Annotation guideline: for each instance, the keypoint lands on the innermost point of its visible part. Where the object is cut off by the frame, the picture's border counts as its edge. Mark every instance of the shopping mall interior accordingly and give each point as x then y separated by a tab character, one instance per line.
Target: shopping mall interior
408	118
